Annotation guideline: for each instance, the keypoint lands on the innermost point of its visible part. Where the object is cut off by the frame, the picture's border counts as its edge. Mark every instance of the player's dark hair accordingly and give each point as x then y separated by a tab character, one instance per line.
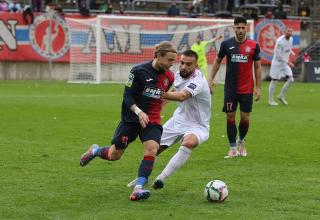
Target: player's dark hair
190	53
164	47
238	20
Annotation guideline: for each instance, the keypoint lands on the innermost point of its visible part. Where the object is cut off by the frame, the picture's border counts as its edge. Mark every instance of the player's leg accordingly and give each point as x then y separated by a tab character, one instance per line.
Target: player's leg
150	136
125	134
286	85
246	101
275	75
170	135
243	130
230	107
189	142
272	88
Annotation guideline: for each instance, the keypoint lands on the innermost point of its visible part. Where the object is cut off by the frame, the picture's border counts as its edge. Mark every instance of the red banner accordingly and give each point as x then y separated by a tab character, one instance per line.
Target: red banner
50	37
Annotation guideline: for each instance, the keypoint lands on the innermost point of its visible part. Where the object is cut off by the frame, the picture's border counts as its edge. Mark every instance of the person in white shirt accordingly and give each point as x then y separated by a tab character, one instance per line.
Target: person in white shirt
281	66
190	121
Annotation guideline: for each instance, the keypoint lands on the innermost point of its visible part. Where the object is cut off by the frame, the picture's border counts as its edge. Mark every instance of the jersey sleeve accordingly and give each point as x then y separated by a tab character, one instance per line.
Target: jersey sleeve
256	54
195	86
130	88
222	50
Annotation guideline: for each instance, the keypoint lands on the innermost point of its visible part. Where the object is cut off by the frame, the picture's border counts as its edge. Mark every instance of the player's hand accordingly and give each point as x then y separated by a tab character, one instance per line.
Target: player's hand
162	94
218	37
143	119
291	64
257	94
212	87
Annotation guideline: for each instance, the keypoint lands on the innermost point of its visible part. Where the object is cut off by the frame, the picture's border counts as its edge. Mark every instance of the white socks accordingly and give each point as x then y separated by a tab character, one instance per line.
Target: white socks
272	87
175	162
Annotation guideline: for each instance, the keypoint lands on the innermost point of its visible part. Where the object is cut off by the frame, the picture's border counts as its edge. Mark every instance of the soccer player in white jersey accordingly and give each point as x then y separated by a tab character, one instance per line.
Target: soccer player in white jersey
281	66
190	121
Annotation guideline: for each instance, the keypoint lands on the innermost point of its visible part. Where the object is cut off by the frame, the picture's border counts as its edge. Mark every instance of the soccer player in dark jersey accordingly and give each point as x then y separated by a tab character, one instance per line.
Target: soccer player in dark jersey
241	53
140	115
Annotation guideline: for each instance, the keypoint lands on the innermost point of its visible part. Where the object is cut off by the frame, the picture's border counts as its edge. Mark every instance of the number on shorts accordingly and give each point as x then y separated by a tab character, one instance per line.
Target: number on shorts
229	106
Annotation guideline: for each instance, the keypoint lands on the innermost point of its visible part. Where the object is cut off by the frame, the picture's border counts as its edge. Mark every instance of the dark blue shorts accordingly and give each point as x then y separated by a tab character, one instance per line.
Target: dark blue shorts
128	132
231	102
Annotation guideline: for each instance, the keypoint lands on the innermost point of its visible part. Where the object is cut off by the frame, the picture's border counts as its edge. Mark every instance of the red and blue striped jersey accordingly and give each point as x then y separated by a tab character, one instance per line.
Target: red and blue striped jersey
143	88
240	57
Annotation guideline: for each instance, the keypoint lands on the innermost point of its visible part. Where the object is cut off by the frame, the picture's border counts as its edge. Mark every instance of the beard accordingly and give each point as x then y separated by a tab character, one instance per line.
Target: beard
184	74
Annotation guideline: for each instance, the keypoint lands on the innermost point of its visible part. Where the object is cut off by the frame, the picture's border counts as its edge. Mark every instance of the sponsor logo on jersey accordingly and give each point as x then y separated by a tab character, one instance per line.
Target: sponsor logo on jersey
49	36
130	80
152	92
239	58
192	86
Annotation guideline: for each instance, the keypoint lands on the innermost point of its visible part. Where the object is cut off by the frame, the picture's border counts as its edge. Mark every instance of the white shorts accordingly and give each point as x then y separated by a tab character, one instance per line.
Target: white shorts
280	70
174	132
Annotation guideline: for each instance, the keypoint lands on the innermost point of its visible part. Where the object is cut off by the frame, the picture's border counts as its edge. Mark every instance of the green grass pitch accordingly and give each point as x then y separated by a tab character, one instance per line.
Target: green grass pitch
46	126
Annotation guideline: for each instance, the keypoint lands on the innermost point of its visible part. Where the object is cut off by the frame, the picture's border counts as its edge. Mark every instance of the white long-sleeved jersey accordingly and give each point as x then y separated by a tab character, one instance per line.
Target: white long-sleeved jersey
282	50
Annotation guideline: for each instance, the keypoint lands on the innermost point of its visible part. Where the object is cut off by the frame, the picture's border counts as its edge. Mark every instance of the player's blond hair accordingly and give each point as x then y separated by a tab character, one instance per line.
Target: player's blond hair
164	47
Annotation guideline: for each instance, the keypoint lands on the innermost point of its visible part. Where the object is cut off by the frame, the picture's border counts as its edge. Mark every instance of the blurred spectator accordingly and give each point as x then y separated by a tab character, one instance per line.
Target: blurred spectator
53	7
58	9
246	14
210	6
230	5
4	6
191	11
173	10
15	6
306	57
303	10
106	7
27	14
279	13
196	6
121	7
83	8
254	15
269	15
36	5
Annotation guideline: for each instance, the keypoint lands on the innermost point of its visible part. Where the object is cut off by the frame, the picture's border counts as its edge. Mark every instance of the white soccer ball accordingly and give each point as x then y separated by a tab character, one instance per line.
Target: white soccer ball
216	191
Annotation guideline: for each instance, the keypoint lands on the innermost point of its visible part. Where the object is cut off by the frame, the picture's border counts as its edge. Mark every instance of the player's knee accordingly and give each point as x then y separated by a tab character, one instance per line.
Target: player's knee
114	156
231	119
190	144
291	79
151	151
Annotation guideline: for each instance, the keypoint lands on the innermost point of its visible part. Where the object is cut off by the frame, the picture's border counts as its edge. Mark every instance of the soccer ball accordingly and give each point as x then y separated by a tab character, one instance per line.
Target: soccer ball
216	191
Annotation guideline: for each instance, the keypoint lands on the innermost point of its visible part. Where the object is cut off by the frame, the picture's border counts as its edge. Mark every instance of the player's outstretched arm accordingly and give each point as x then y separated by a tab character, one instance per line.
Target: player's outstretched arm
177	96
218	37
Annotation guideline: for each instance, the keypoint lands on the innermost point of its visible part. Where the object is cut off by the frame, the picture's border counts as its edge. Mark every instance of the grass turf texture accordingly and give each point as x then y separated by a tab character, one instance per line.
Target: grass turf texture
46	126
